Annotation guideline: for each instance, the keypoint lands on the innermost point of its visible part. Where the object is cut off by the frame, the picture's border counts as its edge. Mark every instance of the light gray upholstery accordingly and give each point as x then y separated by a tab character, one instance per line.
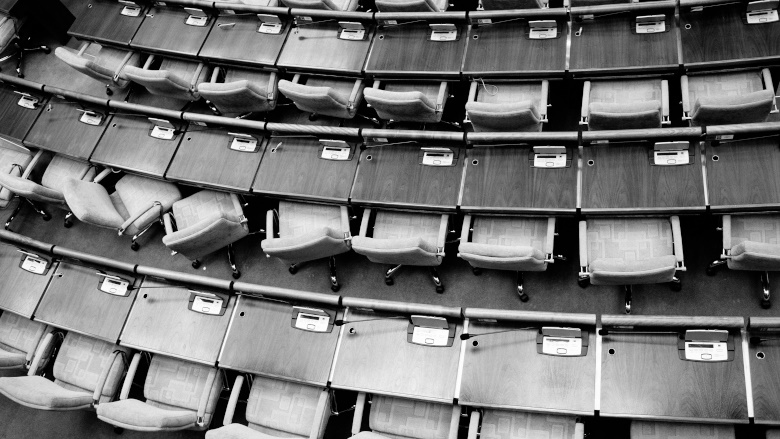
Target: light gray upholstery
403	238
625	104
490	5
174	78
307	232
726	98
392	417
517	116
8	29
412	5
511	424
326	96
19	338
516	244
49	190
409	106
13	161
755	242
242	91
333	5
676	430
100	62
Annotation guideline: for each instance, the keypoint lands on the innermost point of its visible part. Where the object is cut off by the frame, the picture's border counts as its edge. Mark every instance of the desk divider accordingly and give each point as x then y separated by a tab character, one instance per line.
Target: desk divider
694	3
334	15
691	133
530	316
673	321
549	136
763	323
421	16
239	7
743	128
20	82
623	7
402	307
518	13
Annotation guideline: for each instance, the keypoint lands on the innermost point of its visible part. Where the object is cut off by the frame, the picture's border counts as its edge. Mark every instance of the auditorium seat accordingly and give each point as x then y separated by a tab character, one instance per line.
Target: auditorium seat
238	92
507	106
333	5
179	396
507	243
403	238
630	251
412	5
13	161
491	5
204	223
506	424
13	44
308	232
625	104
676	430
19	341
408	101
132	209
103	63
173	78
401	418
276	409
335	97
726	98
87	373
269	3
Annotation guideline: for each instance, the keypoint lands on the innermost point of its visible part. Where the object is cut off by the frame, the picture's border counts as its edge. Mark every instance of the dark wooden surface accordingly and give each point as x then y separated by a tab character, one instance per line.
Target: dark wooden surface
316	47
503	180
58	129
646	378
623	179
377	358
394	177
204	158
181	332
242	43
20	290
608	45
746	175
127	145
506	371
505	50
277	349
17	120
765	379
102	21
296	170
406	50
718	37
164	31
73	301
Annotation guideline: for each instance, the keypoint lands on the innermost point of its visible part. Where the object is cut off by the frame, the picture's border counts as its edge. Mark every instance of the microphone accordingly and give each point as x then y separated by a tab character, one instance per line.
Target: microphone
467	336
352	331
758	340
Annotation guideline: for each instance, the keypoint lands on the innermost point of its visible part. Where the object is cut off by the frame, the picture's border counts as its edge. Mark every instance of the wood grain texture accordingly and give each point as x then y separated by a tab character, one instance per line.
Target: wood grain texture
317	47
377	358
204	158
506	371
504	180
406	50
163	30
242	42
746	175
73	301
262	341
718	36
20	290
505	50
17	120
296	170
161	322
102	21
623	178
765	380
127	145
646	378
58	129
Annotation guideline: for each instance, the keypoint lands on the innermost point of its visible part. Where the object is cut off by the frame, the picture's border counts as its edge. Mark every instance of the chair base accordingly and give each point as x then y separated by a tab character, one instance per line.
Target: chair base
334	282
628	296
232	261
434	276
68	220
675	284
714	266
44	215
523	297
765	298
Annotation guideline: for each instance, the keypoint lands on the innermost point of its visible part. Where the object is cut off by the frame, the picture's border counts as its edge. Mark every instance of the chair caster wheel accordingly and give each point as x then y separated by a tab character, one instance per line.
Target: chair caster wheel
524	297
196	264
388	281
46	217
676	286
711	271
68	224
119	430
20	75
766	304
583	283
312	117
236	274
476	271
293	269
628	308
335	288
440	289
47	50
134	246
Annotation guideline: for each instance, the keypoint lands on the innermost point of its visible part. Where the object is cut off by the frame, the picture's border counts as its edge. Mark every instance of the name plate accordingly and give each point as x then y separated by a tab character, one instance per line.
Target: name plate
667	158
162	133
443	32
34	264
758	17
703	351
196	18
430	336
114	285
441	157
550	160
542	29
312	322
562	346
27	101
650	24
244	144
131	10
207	305
335	153
269	24
91	118
352	34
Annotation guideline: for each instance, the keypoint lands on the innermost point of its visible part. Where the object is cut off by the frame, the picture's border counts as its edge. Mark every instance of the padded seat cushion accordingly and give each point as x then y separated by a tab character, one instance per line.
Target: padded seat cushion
673	430
628	272
412	5
241	96
62	168
321	100
406	251
300	219
238	431
91	204
616	116
315	244
38	392
284	406
502	257
8	158
409	418
81	361
333	5
7	31
138	194
205	205
755	256
135	414
515	116
506	424
205	237
411	106
18	337
30	189
728	109
11	358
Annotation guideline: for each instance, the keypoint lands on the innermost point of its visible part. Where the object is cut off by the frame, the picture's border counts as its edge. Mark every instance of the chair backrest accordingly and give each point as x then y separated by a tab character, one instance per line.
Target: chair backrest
399	417
512	424
281	408
516	116
19	335
61	168
320	100
7	31
412	106
297	219
137	195
11	160
490	5
747	108
81	360
411	5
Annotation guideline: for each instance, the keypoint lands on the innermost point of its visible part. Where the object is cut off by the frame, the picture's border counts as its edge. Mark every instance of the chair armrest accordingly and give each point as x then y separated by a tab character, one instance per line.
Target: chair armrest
677	239
473	91
270	92
30	166
454	422
322	406
583	244
82	48
148	63
357	418
377	84
205	396
31	353
473	425
726	232
354	97
345	222
128	383
442	238
549	245
104	377
441	99
364	223
43	347
543	99
133	218
103	174
270	232
231	407
585	103
195	76
665	101
215	75
686	102
579	430
168	224
769	85
121	66
465	230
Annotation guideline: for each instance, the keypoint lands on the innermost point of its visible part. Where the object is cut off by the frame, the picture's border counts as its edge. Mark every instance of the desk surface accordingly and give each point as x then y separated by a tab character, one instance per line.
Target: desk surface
241	42
277	349
646	378
73	301
377	358
17	120
164	30
161	322
406	50
317	47
204	158
314	178
102	21
765	380
58	129
746	175
504	49
505	371
622	179
503	181
393	176
20	290
718	37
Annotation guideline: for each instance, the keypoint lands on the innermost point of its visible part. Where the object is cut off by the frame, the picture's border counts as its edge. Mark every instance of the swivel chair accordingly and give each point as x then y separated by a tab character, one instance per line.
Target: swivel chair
507	106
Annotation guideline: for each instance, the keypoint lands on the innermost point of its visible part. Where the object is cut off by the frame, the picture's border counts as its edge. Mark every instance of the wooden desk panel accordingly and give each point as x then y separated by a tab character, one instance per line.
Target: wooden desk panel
505	50
127	144
17	120
622	179
746	175
765	380
504	181
161	322
405	50
262	340
394	177
164	31
718	37
379	359
204	158
20	290
242	42
646	378
505	371
73	301
58	129
296	170
317	47
102	21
